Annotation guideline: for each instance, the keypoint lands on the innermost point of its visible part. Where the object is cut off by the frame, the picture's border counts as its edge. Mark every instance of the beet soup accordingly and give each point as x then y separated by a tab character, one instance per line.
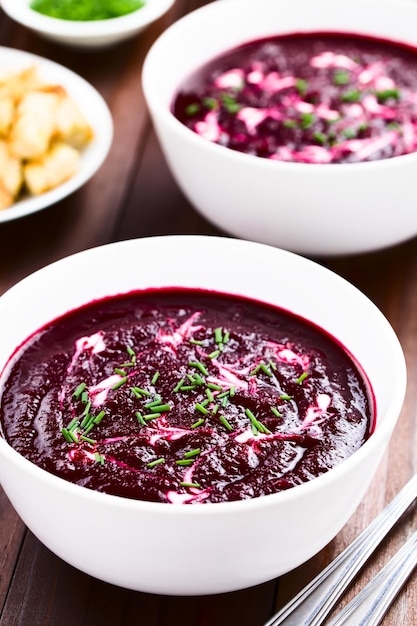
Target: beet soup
307	98
184	396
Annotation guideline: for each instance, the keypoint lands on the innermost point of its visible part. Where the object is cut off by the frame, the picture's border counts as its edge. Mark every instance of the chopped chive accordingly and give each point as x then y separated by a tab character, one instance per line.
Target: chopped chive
320	138
72	423
191	485
255	422
218	335
225	401
199	366
276	412
214	387
196	342
132	354
155	401
88	428
210	103
272	365
160	408
140	418
99	458
301	86
87	439
214	354
126	365
179	385
266	369
185	462
226	336
205	402
290	123
87	408
151	416
84	397
66	434
351	96
78	391
199	407
156	462
341	77
232	391
388	93
73	436
349	133
86	420
119	371
119	383
192	453
225	422
192	108
209	395
144	392
301	378
215	409
136	392
307	120
187	387
155	378
197	423
223	394
195	379
285	396
97	419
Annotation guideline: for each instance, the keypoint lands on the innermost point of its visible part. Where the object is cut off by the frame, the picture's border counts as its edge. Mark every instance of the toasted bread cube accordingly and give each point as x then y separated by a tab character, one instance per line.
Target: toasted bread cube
51	170
31	134
6	198
71	125
15	84
7	114
11	175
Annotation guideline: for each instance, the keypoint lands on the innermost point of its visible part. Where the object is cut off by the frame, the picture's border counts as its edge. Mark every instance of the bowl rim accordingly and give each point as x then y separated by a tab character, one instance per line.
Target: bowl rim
381	434
92	156
20	11
163	112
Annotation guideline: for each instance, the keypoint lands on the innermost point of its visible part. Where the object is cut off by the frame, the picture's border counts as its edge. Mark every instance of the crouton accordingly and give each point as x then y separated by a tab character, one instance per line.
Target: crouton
52	169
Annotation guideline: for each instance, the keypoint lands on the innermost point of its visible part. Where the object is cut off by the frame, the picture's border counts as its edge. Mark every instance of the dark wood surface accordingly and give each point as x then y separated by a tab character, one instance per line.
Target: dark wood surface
134	195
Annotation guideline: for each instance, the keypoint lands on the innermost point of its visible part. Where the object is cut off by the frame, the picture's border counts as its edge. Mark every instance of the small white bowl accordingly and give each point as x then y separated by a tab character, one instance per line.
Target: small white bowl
145	545
93	34
92	106
313	209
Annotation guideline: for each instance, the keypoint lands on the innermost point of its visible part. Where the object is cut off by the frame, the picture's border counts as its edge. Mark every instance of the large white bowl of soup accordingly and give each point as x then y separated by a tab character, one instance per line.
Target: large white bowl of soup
192	394
293	126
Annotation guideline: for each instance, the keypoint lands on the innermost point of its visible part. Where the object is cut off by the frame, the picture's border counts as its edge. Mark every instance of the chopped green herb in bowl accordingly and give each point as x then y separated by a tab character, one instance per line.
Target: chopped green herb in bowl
86	10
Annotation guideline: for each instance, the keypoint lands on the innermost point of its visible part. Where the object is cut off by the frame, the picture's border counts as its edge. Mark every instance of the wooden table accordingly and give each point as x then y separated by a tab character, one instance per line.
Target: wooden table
134	195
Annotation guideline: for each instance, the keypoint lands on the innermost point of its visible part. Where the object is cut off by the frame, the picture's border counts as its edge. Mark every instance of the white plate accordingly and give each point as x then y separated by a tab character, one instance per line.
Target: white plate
93	107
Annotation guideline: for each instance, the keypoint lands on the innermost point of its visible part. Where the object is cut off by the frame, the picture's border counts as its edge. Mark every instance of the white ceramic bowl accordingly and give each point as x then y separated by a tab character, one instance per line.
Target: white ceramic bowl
314	209
143	545
95	109
94	34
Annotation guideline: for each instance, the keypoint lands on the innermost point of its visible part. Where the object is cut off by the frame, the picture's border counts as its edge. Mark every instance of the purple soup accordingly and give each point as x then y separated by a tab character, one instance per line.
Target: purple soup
184	396
307	98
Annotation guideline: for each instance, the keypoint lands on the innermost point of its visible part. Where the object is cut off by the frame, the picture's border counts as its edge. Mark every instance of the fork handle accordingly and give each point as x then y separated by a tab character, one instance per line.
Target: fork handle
370	605
313	604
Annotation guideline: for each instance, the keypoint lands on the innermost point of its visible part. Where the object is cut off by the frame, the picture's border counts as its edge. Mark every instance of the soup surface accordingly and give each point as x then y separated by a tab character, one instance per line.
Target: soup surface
184	396
308	98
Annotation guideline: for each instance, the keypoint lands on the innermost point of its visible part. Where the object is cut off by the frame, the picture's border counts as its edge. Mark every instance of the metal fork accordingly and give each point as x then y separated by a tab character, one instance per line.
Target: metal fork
313	604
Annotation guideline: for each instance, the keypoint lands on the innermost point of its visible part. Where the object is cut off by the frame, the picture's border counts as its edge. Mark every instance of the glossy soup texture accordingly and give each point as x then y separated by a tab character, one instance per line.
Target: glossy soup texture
307	98
184	396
